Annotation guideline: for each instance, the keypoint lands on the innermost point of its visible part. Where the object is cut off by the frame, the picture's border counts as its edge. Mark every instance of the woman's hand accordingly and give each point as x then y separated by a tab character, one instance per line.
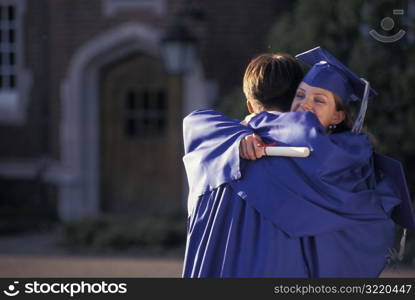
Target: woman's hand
251	147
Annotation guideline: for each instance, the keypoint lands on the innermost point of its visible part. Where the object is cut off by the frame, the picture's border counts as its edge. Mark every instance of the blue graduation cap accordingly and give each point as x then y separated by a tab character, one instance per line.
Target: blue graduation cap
329	73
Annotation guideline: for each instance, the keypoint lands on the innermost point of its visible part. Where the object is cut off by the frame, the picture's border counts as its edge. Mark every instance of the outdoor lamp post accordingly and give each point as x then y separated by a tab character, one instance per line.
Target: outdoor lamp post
178	49
178	52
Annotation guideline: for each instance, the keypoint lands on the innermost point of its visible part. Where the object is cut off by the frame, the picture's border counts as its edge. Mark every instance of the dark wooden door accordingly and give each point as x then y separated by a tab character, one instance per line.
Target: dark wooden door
139	167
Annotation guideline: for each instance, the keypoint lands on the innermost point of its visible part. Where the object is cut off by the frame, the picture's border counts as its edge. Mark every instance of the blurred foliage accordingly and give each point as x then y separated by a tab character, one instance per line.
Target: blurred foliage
234	104
25	206
111	233
409	257
342	27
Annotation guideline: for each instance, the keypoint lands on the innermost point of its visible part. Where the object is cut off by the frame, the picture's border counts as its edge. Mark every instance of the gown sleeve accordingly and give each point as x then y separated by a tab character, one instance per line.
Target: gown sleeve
392	171
211	145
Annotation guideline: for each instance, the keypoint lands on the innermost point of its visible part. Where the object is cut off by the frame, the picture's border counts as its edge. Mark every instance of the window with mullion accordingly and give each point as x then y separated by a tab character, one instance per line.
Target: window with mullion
145	113
8	57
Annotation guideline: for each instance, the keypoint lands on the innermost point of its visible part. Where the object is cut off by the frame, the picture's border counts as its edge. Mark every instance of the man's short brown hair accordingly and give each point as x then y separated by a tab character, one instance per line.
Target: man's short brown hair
271	80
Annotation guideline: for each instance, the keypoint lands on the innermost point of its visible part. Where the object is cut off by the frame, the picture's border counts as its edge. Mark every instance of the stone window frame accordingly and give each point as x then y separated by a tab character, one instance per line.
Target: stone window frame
111	8
13	101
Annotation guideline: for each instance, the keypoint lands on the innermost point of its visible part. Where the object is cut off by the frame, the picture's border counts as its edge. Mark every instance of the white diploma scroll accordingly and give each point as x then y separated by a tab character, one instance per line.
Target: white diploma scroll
287	151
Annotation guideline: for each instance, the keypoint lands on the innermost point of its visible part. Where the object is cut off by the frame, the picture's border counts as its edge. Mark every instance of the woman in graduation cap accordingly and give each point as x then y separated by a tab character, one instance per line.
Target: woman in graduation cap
330	215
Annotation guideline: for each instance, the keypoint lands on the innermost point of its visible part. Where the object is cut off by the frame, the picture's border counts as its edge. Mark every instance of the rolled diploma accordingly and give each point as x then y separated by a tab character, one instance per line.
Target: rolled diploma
287	151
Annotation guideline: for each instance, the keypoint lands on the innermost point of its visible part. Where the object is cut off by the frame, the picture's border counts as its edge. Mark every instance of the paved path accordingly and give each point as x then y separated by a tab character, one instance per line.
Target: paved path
38	255
72	266
67	266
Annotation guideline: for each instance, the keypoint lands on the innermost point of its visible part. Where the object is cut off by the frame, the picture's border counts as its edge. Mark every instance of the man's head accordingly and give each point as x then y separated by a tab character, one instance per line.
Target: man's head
270	82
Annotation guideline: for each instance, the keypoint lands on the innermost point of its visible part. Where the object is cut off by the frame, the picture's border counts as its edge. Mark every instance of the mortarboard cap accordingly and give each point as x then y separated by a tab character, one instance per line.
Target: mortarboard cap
329	73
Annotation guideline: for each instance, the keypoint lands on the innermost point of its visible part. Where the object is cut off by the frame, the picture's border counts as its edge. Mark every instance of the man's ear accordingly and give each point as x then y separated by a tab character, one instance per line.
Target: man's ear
338	117
250	107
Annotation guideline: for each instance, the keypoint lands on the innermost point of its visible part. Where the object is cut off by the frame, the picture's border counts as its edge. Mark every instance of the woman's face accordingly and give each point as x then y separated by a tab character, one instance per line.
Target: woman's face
319	101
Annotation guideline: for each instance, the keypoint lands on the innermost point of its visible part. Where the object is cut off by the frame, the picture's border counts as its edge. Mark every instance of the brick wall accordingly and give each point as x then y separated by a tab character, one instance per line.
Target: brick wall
236	31
28	140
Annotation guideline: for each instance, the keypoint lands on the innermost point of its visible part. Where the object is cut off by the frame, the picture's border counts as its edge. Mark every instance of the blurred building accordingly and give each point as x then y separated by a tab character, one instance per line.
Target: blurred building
90	121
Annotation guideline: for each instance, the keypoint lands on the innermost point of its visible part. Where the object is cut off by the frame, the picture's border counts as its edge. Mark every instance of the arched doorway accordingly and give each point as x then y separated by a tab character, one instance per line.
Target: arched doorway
78	173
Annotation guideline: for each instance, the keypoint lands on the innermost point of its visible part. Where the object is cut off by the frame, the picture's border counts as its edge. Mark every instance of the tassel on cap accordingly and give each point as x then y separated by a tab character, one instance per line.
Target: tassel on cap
358	124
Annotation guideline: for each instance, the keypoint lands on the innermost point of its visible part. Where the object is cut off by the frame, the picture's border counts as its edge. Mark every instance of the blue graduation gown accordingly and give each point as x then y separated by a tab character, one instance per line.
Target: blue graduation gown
328	215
